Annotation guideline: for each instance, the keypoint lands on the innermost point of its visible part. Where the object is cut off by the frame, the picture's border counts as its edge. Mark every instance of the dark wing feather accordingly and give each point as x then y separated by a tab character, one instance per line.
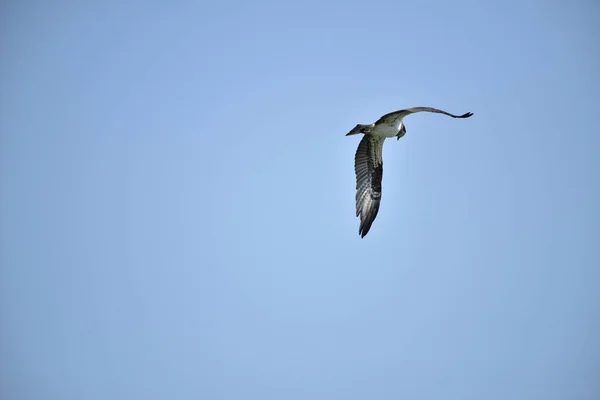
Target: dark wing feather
393	117
368	165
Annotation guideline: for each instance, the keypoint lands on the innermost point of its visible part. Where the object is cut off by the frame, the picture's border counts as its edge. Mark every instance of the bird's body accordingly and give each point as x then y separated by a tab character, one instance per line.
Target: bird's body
368	161
384	130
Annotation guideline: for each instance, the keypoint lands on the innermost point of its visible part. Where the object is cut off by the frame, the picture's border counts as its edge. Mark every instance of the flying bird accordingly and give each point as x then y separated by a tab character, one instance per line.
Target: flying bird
368	162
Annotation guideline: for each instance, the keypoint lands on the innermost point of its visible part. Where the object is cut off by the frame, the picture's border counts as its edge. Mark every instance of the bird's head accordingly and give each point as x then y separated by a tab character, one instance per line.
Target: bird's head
402	131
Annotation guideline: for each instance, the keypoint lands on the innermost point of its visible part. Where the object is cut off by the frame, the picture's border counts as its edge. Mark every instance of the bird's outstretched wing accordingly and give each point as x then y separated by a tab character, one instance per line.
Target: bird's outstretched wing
395	117
368	165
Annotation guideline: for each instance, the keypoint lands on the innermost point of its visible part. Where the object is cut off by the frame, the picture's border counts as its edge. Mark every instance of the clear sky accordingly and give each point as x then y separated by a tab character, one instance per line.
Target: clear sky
177	201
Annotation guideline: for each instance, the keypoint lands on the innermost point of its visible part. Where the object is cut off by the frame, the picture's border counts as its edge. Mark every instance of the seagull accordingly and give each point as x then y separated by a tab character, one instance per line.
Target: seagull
368	162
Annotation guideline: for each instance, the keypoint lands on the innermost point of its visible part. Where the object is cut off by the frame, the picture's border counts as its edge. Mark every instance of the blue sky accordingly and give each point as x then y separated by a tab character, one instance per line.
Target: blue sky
177	201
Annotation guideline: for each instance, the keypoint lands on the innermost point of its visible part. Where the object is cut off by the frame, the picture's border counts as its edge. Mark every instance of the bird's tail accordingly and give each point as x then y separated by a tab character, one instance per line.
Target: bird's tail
359	129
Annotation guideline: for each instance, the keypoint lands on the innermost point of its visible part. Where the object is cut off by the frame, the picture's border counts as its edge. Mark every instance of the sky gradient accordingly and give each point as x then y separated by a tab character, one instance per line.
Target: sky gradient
177	201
